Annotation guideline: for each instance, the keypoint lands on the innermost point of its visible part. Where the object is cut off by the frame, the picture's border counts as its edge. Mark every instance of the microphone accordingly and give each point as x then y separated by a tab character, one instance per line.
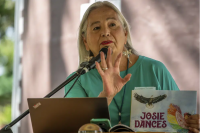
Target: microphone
87	66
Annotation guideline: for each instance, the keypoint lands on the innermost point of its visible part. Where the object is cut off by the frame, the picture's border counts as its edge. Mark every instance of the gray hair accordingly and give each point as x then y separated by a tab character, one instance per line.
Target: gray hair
83	29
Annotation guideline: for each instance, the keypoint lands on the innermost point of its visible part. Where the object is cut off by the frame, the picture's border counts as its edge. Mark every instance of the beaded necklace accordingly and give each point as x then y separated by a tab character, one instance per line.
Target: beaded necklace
120	109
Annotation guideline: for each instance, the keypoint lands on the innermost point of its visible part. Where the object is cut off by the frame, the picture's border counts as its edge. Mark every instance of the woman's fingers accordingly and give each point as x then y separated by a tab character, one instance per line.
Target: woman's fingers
109	57
194	130
193	122
193	126
103	61
196	116
127	78
99	68
117	61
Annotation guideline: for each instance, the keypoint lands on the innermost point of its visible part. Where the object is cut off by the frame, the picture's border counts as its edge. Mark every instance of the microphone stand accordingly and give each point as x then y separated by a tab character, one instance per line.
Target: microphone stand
7	128
85	67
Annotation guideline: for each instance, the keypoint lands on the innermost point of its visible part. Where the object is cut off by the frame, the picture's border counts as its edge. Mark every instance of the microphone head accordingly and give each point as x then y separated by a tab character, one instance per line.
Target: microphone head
91	64
104	50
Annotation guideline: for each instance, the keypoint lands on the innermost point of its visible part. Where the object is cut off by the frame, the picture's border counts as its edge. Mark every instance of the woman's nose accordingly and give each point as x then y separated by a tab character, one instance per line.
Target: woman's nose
105	32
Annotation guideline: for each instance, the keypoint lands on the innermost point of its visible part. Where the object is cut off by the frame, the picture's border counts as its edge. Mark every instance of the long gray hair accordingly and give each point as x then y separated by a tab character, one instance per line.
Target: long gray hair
83	29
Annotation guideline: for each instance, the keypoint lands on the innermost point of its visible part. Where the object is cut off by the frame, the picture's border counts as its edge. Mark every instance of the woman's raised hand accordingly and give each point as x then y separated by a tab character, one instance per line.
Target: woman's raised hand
110	74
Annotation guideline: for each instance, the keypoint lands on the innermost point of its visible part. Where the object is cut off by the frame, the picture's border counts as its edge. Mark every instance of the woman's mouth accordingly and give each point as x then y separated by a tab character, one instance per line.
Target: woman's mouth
106	42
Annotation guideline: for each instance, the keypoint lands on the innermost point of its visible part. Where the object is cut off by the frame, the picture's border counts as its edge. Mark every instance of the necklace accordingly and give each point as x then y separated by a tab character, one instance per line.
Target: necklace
120	109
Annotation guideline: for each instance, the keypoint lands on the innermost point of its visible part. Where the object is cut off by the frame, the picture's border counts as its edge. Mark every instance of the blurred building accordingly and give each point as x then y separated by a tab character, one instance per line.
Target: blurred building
46	43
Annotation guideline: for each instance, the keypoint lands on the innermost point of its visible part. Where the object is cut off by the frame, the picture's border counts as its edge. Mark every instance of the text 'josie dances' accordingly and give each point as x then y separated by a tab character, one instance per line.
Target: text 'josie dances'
151	120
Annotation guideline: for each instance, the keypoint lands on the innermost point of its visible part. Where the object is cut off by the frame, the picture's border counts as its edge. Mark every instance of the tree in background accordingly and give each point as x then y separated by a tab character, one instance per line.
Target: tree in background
6	16
6	60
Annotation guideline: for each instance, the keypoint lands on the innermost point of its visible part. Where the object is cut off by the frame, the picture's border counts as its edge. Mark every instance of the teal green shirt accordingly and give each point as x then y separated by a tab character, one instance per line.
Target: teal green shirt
145	72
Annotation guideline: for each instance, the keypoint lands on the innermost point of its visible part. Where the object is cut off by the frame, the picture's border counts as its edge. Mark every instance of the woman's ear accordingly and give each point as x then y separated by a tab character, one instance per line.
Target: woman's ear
85	43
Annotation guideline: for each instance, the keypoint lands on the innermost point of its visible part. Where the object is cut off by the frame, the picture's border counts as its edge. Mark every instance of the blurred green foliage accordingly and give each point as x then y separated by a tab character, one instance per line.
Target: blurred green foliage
6	60
6	55
5	115
7	8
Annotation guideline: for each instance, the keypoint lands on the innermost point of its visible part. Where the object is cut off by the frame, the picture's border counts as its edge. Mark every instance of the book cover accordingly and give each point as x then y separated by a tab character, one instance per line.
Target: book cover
161	110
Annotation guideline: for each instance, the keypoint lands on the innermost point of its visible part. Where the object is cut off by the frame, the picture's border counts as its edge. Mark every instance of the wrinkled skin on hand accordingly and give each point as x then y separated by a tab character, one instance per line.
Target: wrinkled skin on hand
193	123
112	81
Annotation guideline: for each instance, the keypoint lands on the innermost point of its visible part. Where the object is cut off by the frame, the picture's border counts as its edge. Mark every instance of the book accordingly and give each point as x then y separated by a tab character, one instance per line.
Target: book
120	128
161	110
105	125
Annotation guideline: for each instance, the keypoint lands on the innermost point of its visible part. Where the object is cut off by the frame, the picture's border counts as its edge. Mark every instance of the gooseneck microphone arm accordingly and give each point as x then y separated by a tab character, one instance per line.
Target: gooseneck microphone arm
85	67
7	129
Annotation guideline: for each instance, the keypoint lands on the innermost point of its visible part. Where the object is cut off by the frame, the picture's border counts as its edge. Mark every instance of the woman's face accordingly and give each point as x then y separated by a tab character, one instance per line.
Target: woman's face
104	29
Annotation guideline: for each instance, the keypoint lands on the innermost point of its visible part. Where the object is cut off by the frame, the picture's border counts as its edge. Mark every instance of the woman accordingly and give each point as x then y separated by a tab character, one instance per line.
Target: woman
123	70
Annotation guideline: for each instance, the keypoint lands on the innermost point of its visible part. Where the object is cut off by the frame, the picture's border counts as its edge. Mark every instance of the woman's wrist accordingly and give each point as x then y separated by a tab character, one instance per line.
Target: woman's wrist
109	98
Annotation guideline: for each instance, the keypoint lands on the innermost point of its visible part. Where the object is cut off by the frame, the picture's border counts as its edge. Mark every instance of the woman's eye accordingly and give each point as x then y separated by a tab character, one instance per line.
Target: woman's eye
112	24
96	28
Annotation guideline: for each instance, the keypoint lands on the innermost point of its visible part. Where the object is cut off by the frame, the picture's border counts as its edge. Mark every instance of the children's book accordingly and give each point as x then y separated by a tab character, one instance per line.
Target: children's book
161	110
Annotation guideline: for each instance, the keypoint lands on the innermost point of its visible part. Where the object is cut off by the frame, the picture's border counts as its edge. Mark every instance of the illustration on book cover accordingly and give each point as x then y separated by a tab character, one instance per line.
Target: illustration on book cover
161	110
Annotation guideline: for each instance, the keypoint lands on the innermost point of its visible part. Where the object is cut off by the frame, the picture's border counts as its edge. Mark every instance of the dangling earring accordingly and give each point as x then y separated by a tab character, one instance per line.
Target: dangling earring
89	57
127	53
86	60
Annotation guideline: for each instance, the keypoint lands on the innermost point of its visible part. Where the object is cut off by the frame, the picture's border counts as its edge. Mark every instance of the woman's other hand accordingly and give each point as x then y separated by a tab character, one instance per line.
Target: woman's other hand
193	123
112	81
